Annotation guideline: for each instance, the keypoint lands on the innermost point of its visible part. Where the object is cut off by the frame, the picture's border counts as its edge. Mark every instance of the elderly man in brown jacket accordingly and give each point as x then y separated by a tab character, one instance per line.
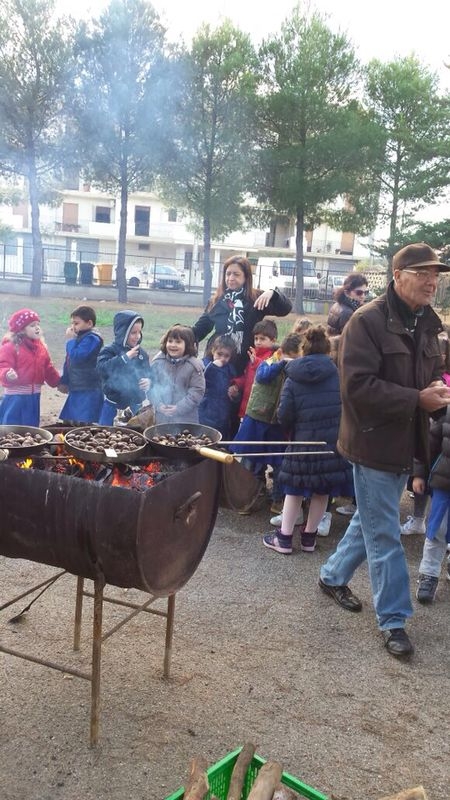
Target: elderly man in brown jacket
390	371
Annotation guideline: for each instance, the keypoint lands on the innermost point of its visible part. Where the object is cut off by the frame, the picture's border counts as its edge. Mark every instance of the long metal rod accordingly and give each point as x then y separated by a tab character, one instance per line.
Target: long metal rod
45	663
283	453
99	585
282	441
33	589
127	619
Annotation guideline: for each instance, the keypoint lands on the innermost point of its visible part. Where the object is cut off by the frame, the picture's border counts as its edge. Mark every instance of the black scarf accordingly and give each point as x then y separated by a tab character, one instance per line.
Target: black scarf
235	322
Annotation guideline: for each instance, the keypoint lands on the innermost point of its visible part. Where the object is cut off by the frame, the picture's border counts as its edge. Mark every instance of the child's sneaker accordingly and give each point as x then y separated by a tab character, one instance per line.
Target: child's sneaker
308	541
426	588
413	525
278	542
324	525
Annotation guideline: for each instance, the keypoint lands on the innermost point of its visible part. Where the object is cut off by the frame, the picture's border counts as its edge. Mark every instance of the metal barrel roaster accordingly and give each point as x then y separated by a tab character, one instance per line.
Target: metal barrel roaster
152	540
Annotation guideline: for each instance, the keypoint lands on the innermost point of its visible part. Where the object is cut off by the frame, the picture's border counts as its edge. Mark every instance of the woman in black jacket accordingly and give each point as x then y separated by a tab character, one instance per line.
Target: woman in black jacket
236	307
310	411
350	296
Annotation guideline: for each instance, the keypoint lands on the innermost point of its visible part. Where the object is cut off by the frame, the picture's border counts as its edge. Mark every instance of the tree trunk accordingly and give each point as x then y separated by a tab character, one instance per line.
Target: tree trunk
36	277
299	228
207	273
121	250
240	770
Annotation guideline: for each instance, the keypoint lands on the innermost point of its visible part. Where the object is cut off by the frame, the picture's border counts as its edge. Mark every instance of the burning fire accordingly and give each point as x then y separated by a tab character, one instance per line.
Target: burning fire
128	476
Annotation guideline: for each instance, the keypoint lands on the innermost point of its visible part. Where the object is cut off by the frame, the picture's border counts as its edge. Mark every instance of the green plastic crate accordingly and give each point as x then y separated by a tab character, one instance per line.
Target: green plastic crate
219	776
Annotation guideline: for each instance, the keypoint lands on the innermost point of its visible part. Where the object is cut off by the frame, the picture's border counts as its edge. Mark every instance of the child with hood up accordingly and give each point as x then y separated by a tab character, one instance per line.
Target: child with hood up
124	367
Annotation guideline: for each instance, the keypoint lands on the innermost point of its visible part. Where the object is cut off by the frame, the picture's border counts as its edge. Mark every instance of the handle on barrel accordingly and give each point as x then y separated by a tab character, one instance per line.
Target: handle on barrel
216	455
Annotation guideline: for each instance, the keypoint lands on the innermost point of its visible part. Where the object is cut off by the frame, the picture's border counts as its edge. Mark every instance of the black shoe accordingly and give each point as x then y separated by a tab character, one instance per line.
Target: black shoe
397	642
343	595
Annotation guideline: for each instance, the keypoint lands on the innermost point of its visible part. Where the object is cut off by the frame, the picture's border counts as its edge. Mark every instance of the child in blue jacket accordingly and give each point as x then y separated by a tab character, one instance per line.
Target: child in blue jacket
124	367
216	408
80	377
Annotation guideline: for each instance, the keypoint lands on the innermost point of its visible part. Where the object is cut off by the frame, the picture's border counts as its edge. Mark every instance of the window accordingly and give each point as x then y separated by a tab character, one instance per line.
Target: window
142	220
172	215
102	214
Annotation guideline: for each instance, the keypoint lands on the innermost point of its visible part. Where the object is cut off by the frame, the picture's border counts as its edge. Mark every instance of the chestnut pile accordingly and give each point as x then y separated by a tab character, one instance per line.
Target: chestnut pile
183	439
97	440
26	439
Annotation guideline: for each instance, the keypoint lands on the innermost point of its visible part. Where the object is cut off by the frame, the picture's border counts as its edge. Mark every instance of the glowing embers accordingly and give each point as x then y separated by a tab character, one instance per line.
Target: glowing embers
138	477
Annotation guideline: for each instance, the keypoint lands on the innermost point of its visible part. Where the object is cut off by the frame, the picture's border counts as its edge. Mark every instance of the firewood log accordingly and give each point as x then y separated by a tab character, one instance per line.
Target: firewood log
239	771
418	793
283	792
266	781
197	784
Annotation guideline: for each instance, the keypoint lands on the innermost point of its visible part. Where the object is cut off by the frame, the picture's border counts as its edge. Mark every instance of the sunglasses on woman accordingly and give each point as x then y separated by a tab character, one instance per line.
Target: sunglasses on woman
361	292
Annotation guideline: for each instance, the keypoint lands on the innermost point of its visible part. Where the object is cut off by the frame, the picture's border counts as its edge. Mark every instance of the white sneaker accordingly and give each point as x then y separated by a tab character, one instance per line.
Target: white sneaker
349	509
324	525
413	525
276	521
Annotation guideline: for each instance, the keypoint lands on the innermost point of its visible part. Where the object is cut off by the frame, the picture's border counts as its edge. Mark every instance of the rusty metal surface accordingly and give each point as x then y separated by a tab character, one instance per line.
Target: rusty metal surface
240	488
152	540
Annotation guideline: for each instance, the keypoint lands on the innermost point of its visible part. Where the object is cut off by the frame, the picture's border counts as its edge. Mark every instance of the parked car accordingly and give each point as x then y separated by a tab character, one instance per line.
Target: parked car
164	277
159	276
328	285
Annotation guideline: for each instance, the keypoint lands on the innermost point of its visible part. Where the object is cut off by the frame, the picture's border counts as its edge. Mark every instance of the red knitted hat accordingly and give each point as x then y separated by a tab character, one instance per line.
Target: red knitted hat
20	319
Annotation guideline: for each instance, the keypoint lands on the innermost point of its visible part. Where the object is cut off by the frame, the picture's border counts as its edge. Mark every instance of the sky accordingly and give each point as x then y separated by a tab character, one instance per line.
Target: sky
382	29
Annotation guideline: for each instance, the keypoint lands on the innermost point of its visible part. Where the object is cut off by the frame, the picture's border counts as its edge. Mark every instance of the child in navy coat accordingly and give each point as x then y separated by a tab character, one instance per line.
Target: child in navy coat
216	408
80	377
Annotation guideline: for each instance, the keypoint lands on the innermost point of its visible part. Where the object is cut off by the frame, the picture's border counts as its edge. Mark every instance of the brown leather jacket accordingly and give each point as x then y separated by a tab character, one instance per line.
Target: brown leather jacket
382	368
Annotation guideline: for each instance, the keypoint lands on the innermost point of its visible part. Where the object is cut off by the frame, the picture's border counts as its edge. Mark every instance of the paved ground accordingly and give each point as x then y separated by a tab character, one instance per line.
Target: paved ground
259	654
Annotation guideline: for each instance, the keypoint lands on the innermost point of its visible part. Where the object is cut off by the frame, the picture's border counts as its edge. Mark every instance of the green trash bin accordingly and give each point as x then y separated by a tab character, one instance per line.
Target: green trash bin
86	273
71	272
104	272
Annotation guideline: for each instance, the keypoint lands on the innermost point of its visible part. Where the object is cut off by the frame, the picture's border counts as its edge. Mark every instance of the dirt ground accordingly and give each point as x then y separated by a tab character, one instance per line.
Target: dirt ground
259	654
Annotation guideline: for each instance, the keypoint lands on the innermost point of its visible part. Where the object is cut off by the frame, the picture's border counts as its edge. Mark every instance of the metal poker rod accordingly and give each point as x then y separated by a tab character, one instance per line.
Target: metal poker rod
266	442
283	453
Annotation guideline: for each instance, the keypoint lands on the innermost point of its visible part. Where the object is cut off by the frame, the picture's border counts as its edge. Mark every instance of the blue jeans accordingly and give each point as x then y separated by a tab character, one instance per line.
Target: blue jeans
374	533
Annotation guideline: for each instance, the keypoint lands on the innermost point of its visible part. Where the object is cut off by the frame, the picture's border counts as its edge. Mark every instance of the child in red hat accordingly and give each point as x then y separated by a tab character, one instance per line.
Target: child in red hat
25	365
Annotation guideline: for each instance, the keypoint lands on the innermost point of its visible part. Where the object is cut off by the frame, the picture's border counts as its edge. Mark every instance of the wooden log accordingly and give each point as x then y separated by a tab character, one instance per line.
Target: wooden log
197	784
239	771
266	781
283	792
418	793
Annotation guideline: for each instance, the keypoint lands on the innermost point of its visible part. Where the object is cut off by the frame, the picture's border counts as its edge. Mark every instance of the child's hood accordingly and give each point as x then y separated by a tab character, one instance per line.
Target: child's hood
311	369
123	323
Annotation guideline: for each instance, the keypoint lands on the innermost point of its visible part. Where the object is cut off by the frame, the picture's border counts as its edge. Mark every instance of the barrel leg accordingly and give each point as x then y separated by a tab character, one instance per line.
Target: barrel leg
169	634
99	584
78	613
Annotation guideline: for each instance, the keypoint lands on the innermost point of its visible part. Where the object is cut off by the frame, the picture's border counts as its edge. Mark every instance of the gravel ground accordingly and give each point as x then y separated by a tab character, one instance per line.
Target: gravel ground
259	654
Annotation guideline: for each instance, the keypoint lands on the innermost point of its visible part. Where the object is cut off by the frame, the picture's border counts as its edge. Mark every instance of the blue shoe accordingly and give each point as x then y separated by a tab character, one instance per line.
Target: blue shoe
278	542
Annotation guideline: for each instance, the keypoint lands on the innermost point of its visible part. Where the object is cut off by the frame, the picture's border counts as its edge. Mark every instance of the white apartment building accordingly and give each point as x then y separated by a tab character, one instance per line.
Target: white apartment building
85	228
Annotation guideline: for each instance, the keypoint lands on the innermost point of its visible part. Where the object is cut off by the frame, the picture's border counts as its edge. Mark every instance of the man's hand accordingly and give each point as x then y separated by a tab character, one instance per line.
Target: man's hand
419	485
434	397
